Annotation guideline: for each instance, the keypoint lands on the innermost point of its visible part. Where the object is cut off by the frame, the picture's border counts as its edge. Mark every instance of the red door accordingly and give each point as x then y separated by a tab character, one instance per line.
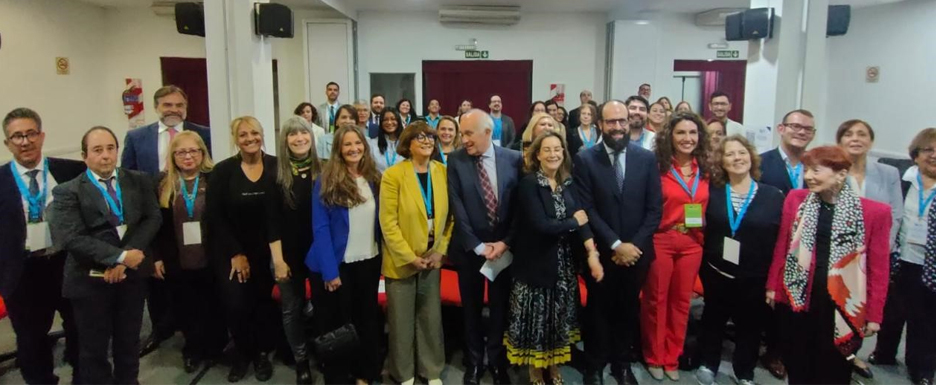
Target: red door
190	74
719	75
453	81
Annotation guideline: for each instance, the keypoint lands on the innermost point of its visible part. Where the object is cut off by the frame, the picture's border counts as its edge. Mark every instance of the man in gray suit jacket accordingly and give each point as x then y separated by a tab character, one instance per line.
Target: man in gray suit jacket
504	130
327	112
104	219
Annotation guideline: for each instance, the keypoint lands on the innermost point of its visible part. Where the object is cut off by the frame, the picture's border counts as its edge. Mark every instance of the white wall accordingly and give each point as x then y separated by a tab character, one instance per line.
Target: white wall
565	48
899	38
645	53
35	33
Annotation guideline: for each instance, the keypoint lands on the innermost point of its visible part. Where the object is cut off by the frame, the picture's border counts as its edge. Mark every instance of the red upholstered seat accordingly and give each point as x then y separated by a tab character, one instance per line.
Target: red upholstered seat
276	292
3	312
697	288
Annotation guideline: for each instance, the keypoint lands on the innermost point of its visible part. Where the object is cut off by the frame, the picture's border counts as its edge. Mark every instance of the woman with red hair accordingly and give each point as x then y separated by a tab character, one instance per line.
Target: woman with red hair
830	271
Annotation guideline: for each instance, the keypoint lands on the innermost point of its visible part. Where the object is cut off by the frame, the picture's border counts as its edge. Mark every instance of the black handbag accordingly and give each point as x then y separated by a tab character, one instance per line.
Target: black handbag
340	342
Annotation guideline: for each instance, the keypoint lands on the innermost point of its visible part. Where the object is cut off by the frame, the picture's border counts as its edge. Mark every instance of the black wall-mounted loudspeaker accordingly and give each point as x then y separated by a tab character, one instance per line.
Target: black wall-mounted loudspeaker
190	18
839	17
757	23
733	27
273	19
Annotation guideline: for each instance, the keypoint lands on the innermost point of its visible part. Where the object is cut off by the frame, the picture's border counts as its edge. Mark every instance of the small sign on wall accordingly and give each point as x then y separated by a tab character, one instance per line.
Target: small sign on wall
557	93
872	74
476	54
61	66
727	54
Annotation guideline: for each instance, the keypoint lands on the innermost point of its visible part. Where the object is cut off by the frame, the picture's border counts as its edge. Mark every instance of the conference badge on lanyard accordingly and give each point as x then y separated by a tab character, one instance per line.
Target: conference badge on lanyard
191	229
38	236
731	251
116	207
693	210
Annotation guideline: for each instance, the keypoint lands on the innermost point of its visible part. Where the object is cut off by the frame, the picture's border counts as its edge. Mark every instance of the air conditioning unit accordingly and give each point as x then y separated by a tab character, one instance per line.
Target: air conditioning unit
488	15
715	17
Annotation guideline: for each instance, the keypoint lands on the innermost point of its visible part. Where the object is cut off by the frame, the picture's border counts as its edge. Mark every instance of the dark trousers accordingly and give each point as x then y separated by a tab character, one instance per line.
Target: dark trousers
808	346
611	316
355	302
198	311
31	308
159	304
471	286
921	321
739	299
293	301
111	318
252	315
892	327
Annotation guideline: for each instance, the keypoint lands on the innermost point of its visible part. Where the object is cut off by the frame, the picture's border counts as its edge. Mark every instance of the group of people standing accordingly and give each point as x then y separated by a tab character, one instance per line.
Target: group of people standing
637	205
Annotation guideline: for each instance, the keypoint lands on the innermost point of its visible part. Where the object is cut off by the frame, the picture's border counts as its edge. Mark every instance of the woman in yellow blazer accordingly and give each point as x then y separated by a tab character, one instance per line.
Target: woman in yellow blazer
416	225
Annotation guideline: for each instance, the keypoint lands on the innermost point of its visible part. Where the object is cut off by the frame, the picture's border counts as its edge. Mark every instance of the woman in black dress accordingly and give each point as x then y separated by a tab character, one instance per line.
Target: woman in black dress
239	199
298	167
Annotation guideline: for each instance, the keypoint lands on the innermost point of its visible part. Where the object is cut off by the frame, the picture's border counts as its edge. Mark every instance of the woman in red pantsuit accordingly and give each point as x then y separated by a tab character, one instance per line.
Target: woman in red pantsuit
681	150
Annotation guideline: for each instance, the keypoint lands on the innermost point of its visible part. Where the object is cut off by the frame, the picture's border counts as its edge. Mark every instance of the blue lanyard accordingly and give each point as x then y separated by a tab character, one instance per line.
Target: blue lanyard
735	223
407	121
640	140
189	198
587	140
794	173
498	129
922	208
114	207
427	196
442	154
34	202
695	183
390	161
331	115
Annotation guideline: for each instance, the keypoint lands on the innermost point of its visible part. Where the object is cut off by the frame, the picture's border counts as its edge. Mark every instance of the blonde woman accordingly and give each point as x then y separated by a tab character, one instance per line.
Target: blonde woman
449	139
539	123
180	252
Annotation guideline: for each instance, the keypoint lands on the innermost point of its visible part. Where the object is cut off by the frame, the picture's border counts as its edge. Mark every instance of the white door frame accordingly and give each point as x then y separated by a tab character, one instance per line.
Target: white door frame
352	86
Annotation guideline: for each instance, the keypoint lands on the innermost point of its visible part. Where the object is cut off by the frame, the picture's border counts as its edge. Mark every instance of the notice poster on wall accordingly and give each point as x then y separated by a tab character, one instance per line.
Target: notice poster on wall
133	103
557	93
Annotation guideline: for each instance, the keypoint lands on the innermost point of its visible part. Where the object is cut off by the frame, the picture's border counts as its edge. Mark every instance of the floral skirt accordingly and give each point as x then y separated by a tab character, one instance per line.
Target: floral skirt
543	321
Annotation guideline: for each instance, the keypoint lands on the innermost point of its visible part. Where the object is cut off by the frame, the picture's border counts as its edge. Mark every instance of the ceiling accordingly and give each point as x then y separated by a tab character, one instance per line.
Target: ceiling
680	6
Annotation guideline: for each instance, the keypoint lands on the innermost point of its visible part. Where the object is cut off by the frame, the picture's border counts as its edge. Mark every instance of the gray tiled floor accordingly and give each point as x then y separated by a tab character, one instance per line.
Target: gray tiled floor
164	367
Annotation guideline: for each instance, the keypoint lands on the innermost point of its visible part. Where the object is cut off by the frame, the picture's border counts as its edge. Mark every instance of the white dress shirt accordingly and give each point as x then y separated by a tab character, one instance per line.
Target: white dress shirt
361	243
489	163
163	140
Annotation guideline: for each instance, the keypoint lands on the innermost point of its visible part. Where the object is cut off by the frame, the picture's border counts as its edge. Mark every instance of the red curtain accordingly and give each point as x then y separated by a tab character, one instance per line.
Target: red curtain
726	76
450	82
190	74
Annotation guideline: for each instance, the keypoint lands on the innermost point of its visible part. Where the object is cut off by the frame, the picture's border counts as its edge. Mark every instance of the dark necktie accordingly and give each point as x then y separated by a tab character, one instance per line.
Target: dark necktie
490	199
929	261
34	190
618	171
113	195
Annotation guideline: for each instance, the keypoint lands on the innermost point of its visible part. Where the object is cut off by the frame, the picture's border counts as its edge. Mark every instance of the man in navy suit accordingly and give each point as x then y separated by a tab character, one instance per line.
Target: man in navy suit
781	167
618	185
145	148
377	104
30	268
482	178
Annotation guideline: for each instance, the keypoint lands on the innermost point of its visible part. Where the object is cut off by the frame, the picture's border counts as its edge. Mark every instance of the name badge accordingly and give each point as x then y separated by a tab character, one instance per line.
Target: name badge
191	233
38	236
121	231
732	251
917	233
431	227
693	215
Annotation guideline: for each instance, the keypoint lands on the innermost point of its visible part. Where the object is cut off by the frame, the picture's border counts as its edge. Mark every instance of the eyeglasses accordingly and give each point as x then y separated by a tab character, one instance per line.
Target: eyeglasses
796	127
616	122
425	138
927	151
181	154
18	138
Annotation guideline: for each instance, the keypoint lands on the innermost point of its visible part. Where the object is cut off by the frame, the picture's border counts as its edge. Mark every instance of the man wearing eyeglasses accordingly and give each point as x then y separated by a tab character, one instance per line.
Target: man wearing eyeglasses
30	268
145	148
781	167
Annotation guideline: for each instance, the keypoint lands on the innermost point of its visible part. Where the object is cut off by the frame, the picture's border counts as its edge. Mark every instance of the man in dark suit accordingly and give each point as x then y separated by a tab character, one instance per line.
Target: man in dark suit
145	149
30	268
781	167
586	97
618	185
104	219
377	104
482	178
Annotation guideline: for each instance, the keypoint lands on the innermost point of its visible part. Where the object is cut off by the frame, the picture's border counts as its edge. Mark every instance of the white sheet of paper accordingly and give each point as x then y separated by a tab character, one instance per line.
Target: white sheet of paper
191	233
732	251
121	231
491	269
38	236
917	233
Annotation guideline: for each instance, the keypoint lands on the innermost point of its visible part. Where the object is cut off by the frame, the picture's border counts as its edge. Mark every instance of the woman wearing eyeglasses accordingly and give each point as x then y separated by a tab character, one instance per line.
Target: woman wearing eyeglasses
416	225
180	250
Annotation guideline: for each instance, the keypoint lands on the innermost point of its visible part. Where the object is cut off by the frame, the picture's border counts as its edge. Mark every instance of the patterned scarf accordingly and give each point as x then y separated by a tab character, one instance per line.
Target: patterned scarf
847	281
299	164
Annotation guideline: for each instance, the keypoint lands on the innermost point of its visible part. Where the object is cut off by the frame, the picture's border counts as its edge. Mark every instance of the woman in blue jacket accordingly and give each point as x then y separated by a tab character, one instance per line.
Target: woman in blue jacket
344	255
